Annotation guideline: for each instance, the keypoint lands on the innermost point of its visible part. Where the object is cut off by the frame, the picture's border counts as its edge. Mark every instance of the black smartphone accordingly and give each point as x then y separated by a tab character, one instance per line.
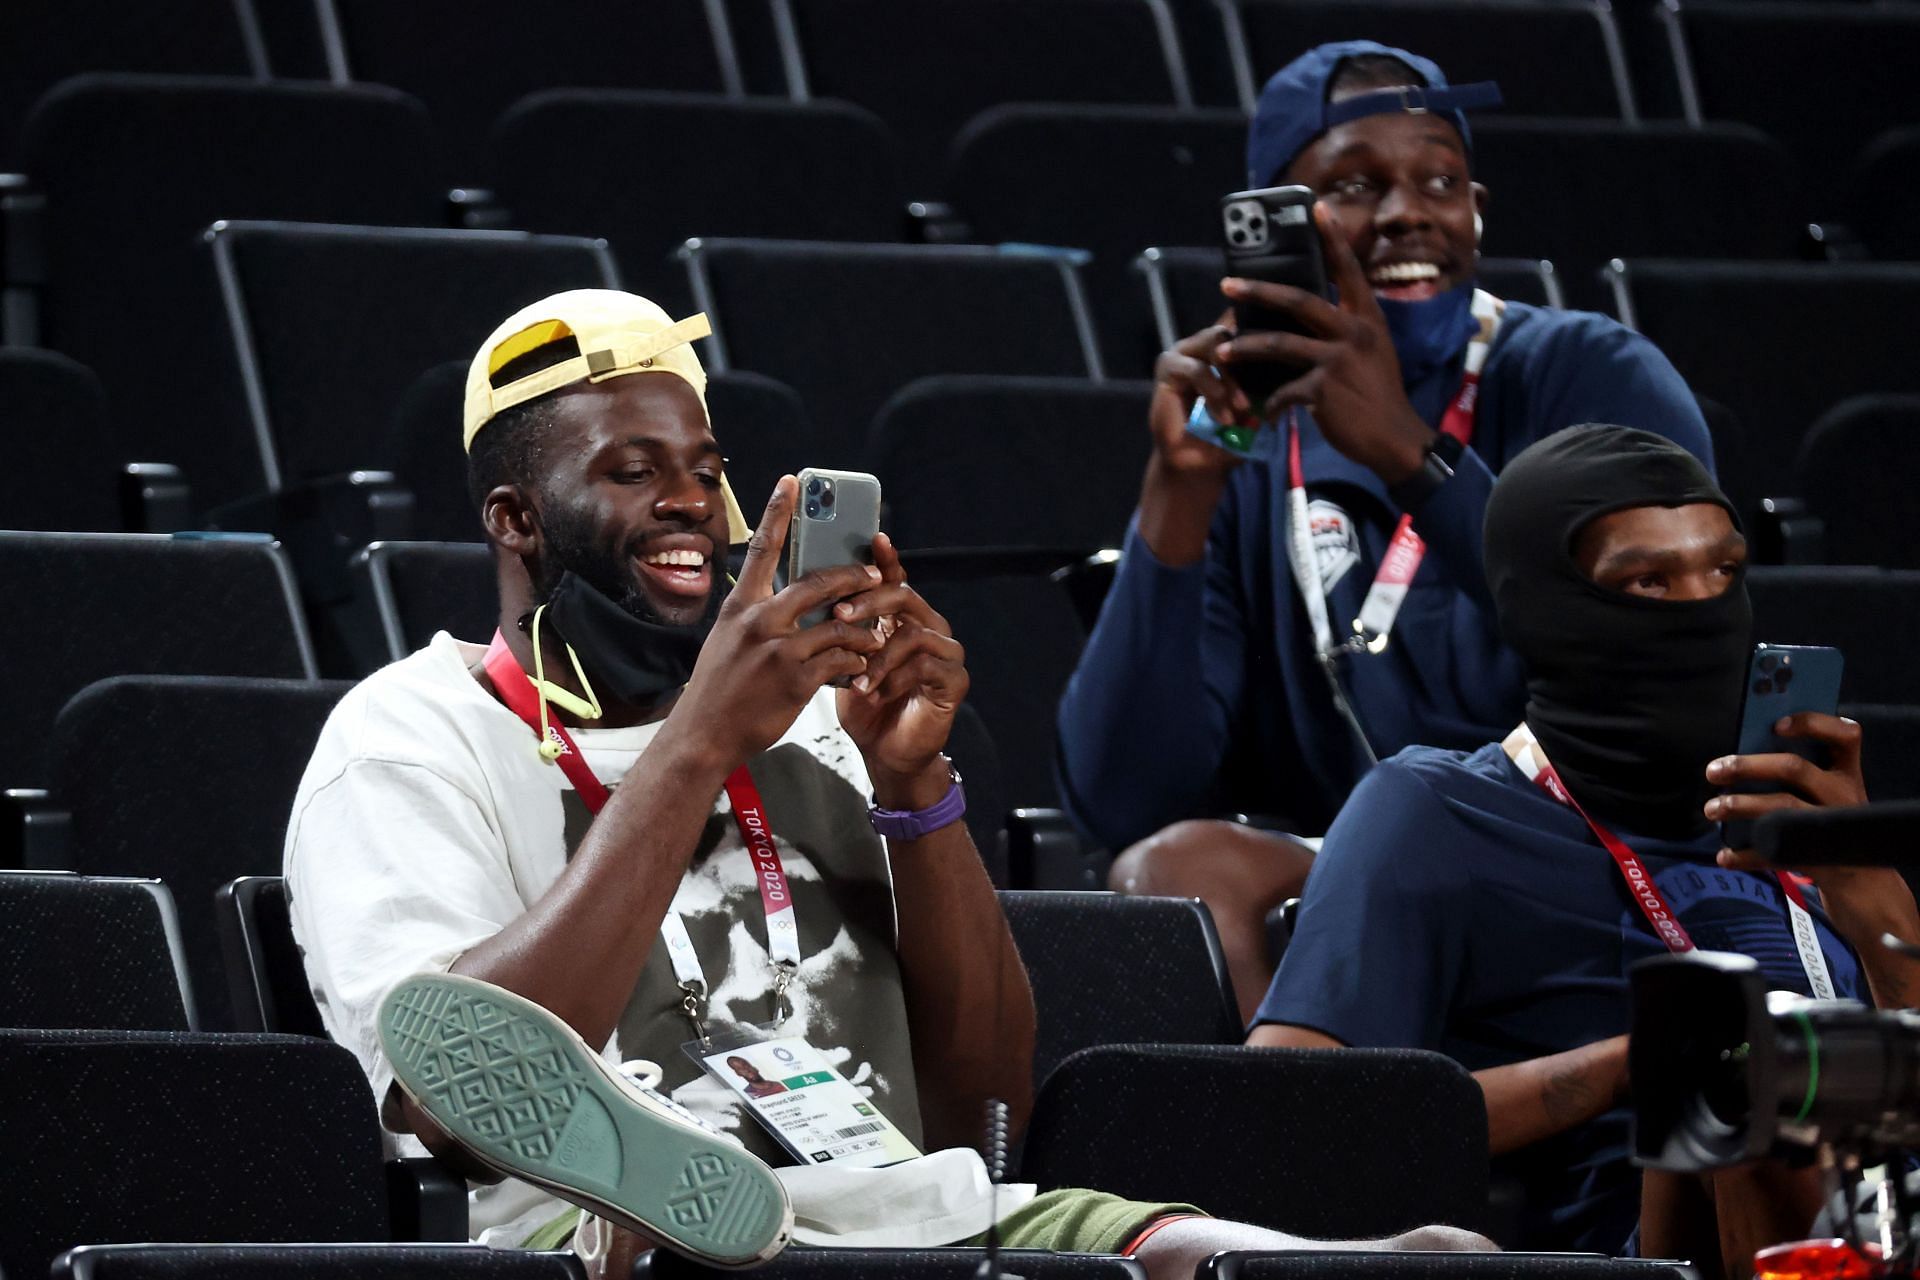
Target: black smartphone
1783	680
1270	235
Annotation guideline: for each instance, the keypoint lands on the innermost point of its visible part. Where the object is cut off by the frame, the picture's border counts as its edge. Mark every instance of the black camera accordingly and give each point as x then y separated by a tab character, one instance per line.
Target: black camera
819	504
1725	1071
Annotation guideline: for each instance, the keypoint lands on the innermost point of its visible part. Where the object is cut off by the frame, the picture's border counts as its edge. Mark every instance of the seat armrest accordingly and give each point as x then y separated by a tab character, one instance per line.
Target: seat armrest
34	831
1044	851
1785	532
323	521
23	259
155	498
935	222
477	209
425	1201
1087	582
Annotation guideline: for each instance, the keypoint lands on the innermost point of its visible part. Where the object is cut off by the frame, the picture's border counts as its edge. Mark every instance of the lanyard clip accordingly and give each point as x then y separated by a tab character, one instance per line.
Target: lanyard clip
784	972
693	1002
1366	641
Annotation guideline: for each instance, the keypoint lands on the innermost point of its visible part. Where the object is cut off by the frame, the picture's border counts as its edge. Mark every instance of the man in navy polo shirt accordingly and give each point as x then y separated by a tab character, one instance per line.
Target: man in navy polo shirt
1482	904
1203	688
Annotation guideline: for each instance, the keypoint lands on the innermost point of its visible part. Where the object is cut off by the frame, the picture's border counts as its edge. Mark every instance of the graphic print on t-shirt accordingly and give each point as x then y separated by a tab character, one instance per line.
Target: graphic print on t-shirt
847	998
1336	543
1742	912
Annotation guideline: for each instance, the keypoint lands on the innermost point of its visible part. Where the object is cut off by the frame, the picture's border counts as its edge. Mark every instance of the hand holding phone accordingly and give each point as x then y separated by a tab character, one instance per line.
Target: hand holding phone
1782	681
834	524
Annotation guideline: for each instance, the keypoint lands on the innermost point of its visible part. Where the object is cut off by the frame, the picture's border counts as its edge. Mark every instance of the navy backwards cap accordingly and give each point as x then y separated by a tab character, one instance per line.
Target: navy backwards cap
1293	108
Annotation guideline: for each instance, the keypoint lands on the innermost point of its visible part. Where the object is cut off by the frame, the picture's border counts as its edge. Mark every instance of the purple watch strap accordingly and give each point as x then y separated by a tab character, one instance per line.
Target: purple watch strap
911	824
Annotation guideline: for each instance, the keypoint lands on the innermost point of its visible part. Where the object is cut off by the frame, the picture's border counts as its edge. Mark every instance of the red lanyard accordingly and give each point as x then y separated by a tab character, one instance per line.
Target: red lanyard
511	682
1524	749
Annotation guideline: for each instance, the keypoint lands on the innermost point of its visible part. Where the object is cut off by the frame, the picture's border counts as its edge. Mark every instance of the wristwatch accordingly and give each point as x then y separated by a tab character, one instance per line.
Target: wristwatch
1436	468
911	824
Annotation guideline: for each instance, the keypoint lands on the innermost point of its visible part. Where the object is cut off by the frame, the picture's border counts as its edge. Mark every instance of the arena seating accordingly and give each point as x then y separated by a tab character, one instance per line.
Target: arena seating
797	170
1880	201
91	953
1857	609
905	1264
315	1261
1854	469
978	461
66	465
196	817
1438	1266
266	975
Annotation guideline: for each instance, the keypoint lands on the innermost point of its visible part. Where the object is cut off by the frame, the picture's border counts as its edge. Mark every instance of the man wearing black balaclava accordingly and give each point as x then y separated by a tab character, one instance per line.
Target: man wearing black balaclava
1234	670
1486	904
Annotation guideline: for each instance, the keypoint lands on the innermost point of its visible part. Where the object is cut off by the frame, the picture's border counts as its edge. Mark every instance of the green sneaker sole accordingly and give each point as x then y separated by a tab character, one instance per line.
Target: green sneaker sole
512	1083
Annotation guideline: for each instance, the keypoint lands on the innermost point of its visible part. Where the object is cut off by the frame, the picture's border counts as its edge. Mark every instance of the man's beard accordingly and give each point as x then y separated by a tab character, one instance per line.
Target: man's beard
569	546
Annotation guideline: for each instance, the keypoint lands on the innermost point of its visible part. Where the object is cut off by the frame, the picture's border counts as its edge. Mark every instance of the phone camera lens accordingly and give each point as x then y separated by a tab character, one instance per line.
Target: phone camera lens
826	499
1782	678
813	487
1768	662
813	509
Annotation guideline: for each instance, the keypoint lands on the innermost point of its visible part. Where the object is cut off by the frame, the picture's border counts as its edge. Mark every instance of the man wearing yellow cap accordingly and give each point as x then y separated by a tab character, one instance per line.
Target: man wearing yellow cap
643	820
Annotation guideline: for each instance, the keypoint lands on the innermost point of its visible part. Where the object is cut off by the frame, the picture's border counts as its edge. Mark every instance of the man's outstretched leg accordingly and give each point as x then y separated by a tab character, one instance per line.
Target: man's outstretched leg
1175	1249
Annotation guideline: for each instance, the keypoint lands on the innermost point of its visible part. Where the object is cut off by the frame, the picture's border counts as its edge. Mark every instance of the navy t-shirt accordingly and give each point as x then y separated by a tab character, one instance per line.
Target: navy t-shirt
1457	907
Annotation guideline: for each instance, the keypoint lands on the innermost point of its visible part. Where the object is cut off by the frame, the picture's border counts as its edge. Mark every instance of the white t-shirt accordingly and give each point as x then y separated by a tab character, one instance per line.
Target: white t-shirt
426	823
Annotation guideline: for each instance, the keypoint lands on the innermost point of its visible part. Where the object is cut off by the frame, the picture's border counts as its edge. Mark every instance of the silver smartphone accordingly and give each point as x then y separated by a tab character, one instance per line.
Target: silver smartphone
835	524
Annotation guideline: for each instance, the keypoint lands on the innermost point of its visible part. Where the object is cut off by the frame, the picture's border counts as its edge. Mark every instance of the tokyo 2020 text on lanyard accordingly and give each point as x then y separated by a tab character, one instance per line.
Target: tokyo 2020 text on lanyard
511	682
1405	550
1525	752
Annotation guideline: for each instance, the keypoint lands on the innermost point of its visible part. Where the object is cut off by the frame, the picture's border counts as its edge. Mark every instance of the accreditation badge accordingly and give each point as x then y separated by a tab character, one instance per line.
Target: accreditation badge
805	1103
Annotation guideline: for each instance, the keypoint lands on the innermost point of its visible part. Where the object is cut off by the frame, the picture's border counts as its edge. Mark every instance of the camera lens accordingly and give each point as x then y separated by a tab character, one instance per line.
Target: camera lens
1768	662
813	487
813	509
826	499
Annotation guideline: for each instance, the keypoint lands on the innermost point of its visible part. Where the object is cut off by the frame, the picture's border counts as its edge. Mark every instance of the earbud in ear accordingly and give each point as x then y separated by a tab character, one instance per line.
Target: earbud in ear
1479	227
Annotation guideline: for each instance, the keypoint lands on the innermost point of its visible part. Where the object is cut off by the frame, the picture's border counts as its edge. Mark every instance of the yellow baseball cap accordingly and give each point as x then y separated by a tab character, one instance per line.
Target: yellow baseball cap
592	335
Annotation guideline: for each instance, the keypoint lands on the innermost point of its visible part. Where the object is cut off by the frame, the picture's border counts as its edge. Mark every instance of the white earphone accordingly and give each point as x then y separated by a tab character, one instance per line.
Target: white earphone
1478	227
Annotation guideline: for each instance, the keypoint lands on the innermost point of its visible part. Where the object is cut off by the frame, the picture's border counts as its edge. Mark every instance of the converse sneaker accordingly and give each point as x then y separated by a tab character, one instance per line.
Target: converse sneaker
514	1085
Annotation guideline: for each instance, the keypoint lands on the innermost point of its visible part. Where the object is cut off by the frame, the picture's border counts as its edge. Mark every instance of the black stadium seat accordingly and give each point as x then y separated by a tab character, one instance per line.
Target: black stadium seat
143	1136
1777	343
1856	470
989	52
1889	748
190	779
1847	73
901	1264
1183	287
1111	180
972	461
418	588
1108	968
1869	614
699	166
136	604
484	55
1579	192
266	974
63	472
312	1262
91	953
763	430
1550	59
332	324
1437	1266
848	325
130	289
45	41
1277	1137
1882	202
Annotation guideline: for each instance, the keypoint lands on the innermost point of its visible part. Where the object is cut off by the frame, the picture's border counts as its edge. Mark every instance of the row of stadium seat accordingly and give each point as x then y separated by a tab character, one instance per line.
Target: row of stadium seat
949	59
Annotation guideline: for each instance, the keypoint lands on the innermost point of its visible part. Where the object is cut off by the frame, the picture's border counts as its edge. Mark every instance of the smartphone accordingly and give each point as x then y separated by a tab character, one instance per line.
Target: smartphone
1270	235
1783	680
835	524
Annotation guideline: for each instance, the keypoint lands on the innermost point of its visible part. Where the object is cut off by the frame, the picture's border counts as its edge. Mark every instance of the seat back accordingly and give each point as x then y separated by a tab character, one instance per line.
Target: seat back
902	1264
1037	173
1437	1266
1869	614
1743	196
63	472
972	461
90	952
418	588
802	170
1846	60
266	975
1550	59
1797	351
191	779
1881	202
119	604
848	325
764	430
314	1261
136	1136
402	300
1856	469
131	291
43	44
1305	1128
976	54
1183	286
1114	969
1890	748
487	54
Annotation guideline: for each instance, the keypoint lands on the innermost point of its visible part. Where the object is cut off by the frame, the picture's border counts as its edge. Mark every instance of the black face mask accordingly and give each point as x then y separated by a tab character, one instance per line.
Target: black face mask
628	659
1630	697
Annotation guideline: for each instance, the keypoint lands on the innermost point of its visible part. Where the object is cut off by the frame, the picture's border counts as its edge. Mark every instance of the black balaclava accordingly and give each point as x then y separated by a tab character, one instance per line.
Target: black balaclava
1630	697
